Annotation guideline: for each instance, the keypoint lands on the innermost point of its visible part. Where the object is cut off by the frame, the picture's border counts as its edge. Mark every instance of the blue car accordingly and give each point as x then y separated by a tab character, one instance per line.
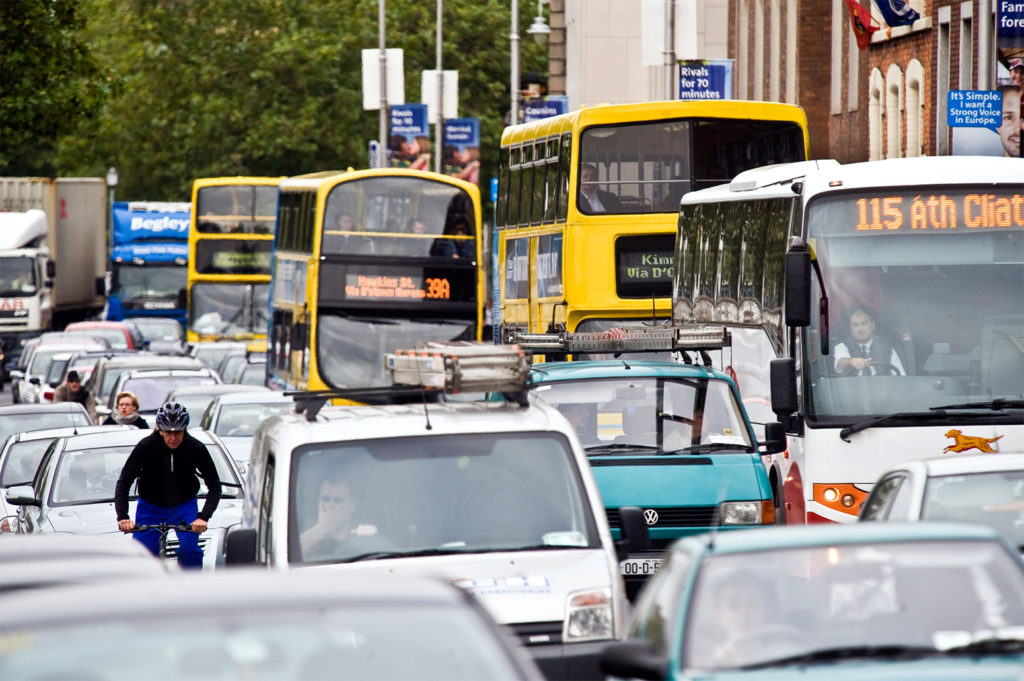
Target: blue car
670	438
908	601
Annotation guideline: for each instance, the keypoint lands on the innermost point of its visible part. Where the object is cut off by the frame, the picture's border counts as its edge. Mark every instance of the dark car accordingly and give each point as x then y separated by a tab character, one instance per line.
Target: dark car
257	625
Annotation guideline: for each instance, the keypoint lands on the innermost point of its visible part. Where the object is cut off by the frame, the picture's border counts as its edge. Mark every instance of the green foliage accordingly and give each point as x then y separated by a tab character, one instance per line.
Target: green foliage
198	88
48	81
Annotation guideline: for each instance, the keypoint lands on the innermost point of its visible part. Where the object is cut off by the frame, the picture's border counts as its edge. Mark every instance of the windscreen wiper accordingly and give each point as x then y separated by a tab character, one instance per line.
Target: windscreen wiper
709	447
827	655
621	447
898	416
993	645
995	405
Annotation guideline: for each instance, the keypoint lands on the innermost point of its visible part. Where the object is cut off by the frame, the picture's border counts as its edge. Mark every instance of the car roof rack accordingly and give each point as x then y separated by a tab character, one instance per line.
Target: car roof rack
435	369
617	340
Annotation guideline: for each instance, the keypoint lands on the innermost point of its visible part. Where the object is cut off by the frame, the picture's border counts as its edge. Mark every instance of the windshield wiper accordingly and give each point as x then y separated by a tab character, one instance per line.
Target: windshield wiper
995	405
708	447
377	555
621	447
846	653
898	416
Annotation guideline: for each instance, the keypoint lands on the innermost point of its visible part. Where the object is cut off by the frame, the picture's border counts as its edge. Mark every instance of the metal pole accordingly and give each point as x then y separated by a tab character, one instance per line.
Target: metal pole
514	37
383	81
439	124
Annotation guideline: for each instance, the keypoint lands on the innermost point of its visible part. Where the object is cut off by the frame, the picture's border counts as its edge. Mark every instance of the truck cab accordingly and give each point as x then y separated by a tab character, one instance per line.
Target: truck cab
496	496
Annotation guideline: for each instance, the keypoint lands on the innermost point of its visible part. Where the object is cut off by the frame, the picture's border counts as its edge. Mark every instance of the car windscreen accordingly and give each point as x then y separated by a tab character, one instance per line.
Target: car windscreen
445	493
20	423
21	461
359	640
87	476
241	420
152	391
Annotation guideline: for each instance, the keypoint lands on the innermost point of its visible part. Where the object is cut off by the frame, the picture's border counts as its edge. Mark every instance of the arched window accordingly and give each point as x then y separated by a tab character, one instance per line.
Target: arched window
893	112
876	115
915	108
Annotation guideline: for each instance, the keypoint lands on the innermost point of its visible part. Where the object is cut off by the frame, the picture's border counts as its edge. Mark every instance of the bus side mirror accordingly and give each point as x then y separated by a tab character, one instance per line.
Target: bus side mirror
798	286
783	381
240	546
182	299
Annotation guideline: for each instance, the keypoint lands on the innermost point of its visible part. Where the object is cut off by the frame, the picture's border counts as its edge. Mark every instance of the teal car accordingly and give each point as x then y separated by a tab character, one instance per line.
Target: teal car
910	601
670	438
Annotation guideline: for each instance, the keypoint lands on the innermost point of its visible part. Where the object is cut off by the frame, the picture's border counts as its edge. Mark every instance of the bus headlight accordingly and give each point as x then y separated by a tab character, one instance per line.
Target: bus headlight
760	512
589	617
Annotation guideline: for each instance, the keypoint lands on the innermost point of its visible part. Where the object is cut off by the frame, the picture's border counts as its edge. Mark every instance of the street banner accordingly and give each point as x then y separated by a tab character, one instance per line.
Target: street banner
409	143
462	149
544	107
705	79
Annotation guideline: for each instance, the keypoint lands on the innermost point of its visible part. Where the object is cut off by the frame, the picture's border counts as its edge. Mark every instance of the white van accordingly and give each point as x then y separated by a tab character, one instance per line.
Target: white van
496	496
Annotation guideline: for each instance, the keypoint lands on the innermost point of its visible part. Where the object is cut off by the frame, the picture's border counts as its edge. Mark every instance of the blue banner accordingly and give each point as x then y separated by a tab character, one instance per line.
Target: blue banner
409	144
705	79
148	225
897	12
974	109
462	149
545	107
462	132
151	253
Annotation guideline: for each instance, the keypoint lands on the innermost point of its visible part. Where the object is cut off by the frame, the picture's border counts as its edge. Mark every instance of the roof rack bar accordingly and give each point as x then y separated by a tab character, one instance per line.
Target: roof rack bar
458	367
706	337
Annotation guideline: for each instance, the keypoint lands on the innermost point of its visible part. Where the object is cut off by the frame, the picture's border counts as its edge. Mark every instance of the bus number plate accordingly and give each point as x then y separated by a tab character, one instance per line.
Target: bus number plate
639	567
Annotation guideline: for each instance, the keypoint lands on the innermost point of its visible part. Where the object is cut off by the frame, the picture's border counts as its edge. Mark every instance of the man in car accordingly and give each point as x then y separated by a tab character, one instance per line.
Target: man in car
72	391
166	463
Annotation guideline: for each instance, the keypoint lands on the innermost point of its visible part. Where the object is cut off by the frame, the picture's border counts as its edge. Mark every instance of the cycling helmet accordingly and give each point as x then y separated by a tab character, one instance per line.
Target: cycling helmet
172	416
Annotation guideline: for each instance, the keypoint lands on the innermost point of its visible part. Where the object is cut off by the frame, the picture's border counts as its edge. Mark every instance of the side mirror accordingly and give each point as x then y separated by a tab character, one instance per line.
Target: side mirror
783	381
34	380
101	286
240	546
774	438
635	535
51	272
633	660
15	373
798	286
182	299
22	495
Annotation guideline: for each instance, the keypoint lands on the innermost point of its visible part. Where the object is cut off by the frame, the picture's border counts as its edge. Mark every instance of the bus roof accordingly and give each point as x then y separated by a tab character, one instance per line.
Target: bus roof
236	180
766	182
652	111
313	180
917	171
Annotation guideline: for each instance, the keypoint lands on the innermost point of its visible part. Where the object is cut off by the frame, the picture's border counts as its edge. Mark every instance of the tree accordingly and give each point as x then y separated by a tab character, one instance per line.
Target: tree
49	82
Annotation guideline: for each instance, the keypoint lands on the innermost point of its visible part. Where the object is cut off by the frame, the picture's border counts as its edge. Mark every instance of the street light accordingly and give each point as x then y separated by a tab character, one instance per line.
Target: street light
539	29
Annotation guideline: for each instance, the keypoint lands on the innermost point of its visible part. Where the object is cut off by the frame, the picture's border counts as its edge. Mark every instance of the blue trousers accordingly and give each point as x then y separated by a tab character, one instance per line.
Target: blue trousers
190	554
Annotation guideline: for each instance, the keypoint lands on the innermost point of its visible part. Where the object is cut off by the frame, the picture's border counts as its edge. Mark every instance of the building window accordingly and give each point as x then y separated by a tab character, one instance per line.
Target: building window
915	108
876	115
893	112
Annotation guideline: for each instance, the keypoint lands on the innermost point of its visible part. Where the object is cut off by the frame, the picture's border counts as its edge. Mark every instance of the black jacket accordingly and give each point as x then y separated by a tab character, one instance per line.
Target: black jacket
138	423
168	479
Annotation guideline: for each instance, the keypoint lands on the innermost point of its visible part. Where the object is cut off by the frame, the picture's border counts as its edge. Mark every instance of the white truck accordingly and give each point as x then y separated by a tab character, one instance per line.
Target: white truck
53	252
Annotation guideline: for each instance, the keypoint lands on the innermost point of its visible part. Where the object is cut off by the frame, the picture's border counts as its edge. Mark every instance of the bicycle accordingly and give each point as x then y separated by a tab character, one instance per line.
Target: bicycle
163	529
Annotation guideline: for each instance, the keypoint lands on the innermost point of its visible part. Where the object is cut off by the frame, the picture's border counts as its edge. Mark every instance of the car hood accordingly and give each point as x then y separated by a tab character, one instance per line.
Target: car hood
677	479
100	518
528	586
239	448
978	668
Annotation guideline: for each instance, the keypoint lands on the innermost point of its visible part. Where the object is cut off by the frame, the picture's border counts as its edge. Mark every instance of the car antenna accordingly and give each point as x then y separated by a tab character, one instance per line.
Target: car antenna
426	412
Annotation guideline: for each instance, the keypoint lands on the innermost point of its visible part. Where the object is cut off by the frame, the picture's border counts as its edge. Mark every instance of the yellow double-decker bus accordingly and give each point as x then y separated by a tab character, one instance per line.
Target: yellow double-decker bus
588	203
230	247
368	262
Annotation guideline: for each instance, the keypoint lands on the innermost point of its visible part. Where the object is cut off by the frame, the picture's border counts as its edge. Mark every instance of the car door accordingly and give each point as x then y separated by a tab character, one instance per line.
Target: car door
890	499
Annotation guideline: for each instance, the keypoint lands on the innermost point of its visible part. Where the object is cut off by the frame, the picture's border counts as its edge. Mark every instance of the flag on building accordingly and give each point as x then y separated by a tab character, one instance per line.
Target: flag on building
897	12
860	18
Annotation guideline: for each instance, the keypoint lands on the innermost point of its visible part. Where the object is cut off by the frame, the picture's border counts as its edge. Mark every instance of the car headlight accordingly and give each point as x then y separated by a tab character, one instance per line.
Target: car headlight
758	512
590	617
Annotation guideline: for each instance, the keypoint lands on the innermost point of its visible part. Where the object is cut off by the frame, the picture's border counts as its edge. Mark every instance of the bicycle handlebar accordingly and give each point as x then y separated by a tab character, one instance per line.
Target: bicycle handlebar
164	528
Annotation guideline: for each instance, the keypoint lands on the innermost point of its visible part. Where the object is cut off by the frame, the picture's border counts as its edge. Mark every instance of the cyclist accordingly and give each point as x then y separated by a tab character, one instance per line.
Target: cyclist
166	463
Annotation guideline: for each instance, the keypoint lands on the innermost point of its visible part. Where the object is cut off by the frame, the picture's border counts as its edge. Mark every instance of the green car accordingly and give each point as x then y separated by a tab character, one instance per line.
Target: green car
931	601
670	438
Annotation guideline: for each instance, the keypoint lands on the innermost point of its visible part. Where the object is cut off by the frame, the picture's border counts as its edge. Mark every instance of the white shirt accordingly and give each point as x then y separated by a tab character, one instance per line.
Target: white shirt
843	352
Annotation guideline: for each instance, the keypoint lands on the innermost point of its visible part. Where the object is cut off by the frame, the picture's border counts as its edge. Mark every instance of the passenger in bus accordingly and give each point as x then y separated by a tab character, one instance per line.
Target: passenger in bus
863	352
455	248
593	199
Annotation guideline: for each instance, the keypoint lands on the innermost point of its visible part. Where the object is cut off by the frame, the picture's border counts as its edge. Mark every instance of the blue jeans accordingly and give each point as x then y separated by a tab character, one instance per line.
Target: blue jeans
190	555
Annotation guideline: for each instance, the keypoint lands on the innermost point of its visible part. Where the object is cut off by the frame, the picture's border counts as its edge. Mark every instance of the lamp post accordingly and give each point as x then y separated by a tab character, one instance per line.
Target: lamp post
514	66
111	184
539	29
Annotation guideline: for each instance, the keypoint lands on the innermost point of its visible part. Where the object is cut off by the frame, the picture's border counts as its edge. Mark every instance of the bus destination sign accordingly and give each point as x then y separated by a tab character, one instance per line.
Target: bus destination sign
382	287
365	285
644	266
915	212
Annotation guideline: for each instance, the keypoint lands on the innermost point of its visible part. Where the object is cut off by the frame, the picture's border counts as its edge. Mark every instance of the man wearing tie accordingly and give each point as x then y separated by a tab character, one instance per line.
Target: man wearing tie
863	353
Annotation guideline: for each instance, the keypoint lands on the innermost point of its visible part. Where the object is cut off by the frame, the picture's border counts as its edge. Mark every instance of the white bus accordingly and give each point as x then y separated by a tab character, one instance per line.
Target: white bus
919	260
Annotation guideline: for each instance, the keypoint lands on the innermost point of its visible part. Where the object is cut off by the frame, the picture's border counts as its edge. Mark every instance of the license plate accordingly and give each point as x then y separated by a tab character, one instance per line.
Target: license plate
639	567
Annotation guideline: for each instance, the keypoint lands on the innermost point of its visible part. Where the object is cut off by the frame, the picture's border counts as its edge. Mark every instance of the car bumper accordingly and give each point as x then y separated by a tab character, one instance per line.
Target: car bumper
569	660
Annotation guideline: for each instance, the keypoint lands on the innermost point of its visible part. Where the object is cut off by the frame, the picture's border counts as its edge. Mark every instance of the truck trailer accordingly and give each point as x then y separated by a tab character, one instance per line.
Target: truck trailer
148	260
53	251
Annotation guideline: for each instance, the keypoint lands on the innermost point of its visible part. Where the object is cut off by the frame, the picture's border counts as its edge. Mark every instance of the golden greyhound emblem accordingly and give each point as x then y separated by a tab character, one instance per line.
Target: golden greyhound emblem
964	442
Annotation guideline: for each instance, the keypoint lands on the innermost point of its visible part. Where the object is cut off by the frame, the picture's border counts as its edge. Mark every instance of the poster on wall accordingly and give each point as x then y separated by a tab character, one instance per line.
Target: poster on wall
1010	74
462	149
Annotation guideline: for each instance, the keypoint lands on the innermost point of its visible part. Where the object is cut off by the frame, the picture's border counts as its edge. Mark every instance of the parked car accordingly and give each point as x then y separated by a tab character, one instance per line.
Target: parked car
981	488
73	490
235	416
866	601
673	439
122	335
257	626
152	386
33	561
163	334
196	398
108	370
20	455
